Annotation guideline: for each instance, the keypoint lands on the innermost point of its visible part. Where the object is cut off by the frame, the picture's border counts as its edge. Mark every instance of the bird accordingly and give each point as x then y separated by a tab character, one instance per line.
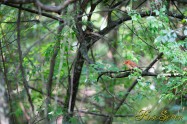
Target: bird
130	64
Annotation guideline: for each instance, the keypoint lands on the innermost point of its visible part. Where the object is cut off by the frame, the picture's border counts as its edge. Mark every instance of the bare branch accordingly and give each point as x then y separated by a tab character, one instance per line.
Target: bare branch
17	1
36	12
52	64
56	9
126	73
177	8
104	115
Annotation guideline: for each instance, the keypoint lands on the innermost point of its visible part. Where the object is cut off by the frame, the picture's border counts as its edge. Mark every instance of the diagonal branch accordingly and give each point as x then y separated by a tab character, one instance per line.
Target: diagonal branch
126	17
177	8
52	64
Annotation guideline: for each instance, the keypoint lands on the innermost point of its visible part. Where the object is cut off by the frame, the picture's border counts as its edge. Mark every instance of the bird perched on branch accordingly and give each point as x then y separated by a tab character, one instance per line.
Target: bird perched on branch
130	64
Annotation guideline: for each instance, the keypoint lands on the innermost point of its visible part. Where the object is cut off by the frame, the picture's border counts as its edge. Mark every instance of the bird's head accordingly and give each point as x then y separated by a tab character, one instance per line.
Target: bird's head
126	62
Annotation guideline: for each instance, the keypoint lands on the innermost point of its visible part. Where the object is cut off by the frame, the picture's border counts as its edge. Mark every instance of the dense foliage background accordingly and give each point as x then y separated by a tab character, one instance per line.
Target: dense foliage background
63	61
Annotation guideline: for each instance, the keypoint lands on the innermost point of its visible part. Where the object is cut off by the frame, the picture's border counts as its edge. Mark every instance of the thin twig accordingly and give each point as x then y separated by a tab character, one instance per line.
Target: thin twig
41	92
140	38
104	115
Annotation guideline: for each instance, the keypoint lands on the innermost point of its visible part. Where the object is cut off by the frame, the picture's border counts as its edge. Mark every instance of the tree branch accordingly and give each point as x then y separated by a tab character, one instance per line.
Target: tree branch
17	1
126	73
52	67
181	1
36	12
25	83
126	17
48	8
97	35
56	9
104	115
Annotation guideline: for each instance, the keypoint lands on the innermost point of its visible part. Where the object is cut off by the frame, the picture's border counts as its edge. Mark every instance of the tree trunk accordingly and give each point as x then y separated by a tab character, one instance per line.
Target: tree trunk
3	102
73	87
